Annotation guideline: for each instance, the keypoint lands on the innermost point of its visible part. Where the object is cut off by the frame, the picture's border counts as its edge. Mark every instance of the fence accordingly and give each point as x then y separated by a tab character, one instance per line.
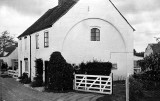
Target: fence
13	73
93	83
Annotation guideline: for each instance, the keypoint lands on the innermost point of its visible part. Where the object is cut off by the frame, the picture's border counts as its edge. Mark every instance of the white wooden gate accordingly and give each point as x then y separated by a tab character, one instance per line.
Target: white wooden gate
93	83
13	73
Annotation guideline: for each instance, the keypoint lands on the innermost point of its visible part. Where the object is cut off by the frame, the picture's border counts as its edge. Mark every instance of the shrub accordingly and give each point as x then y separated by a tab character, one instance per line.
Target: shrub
60	73
135	89
150	62
38	80
95	68
4	66
24	78
149	79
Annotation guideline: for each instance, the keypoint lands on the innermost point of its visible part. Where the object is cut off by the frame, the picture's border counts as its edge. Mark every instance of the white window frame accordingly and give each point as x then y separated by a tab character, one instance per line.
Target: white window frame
95	34
37	40
26	66
25	41
46	38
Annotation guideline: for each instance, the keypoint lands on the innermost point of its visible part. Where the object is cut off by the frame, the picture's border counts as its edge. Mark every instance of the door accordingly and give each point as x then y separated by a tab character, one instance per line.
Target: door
20	68
46	72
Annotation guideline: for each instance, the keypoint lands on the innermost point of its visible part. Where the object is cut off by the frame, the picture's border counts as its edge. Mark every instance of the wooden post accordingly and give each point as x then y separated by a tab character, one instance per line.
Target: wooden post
112	84
85	82
74	82
127	87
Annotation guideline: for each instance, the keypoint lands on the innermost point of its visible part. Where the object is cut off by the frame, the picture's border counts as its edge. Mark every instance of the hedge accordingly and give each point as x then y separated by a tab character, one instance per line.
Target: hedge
94	68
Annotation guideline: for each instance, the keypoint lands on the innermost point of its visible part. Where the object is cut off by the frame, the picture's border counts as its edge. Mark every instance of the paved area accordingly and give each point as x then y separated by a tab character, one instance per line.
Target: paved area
11	90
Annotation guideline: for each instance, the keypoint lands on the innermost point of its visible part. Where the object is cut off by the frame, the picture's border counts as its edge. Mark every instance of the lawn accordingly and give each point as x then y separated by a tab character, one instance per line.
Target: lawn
119	92
151	95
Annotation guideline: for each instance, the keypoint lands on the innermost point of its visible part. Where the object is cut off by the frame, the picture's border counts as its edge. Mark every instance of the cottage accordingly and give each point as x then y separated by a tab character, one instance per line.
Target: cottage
152	49
10	56
82	30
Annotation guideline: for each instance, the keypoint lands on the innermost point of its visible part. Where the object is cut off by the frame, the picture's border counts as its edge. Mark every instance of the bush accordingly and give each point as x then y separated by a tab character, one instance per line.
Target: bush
95	68
25	79
149	79
150	62
60	73
38	80
4	66
135	89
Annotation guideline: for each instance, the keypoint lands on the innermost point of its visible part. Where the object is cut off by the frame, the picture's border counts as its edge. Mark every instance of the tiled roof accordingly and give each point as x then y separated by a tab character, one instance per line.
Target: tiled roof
49	18
9	50
155	48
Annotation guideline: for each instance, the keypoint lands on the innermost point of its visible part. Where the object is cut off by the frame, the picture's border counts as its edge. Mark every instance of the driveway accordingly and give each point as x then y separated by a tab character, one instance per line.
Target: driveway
11	90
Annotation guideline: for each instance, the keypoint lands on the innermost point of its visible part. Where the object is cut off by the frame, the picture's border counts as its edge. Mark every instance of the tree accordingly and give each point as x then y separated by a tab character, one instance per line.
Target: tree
150	63
6	40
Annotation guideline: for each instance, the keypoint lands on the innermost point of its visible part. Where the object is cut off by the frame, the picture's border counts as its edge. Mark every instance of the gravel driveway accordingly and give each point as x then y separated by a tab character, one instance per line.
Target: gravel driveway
11	90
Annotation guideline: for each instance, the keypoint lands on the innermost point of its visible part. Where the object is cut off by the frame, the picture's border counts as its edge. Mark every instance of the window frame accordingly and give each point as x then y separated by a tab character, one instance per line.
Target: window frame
95	34
26	65
25	41
37	41
46	38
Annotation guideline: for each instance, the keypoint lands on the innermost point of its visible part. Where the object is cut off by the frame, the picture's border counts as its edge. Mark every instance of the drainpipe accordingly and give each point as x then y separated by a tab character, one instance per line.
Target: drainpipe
30	58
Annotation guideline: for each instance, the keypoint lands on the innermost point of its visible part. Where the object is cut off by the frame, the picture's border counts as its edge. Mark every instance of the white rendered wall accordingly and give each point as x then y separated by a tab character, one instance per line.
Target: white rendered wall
148	51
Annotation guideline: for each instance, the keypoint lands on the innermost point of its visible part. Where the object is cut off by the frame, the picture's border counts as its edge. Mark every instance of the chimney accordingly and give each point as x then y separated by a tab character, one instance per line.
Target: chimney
61	2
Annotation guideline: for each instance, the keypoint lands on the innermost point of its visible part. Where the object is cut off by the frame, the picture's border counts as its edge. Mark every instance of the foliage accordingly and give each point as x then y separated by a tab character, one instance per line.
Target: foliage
6	40
39	67
135	89
94	68
38	80
60	73
4	66
24	78
149	79
150	63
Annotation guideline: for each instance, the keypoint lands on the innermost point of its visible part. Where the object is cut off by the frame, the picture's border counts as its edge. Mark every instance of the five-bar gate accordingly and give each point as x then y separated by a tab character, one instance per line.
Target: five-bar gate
93	83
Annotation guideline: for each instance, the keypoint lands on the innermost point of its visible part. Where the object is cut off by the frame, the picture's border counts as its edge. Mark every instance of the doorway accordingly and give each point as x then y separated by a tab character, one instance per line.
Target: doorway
46	72
20	68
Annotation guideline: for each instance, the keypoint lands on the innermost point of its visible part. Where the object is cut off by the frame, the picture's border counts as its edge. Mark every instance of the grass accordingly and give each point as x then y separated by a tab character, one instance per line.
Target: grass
119	92
151	95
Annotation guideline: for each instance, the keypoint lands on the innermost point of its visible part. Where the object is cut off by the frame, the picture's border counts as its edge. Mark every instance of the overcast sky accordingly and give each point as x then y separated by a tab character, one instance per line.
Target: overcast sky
144	15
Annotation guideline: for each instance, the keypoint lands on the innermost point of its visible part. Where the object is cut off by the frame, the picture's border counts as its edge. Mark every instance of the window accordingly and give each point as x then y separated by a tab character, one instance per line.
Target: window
26	65
25	39
20	44
37	41
95	34
46	39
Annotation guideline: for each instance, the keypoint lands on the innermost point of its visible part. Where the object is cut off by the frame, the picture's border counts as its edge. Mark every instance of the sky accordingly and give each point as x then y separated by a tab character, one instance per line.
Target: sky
144	15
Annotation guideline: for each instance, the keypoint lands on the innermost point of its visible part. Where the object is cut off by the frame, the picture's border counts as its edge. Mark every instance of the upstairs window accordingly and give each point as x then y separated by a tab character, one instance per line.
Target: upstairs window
95	34
46	39
20	44
25	39
26	65
37	41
